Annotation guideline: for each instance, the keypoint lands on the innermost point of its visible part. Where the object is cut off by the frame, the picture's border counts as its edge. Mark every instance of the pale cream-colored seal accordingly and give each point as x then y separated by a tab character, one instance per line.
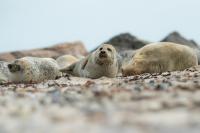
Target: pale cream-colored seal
102	62
160	57
33	69
66	60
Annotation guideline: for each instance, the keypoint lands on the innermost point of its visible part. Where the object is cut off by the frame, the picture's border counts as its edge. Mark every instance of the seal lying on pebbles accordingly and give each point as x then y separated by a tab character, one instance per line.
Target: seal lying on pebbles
4	72
66	60
161	57
33	69
102	62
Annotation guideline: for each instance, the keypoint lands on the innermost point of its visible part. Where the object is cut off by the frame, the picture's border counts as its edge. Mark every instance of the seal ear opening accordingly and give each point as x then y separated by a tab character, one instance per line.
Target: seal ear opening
14	67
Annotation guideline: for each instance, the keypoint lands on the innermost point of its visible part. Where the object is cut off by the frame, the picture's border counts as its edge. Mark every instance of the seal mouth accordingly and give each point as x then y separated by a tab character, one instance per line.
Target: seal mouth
14	68
103	55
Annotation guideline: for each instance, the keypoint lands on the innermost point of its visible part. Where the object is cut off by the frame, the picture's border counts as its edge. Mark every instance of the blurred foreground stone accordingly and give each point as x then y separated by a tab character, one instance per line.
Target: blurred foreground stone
165	103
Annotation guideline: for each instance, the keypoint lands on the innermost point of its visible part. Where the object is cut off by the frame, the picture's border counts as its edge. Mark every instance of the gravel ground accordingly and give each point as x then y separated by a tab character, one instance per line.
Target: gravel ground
167	102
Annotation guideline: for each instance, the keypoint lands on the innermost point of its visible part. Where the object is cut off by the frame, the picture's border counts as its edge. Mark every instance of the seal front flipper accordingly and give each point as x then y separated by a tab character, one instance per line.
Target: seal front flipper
84	63
68	69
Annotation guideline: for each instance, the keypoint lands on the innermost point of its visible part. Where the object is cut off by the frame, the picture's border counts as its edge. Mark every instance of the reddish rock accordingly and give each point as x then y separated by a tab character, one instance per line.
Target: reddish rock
6	57
74	48
35	53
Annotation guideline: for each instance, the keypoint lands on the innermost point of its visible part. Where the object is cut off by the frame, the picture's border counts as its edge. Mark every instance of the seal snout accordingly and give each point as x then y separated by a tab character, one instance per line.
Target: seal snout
124	72
14	67
127	71
103	54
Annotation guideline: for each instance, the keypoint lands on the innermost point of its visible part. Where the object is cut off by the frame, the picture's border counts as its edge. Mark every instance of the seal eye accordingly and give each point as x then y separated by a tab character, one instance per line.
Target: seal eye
101	49
109	49
14	67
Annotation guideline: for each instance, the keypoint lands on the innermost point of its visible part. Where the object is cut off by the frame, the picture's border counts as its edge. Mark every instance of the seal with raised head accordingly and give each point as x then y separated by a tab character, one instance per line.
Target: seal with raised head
33	69
160	57
102	62
66	60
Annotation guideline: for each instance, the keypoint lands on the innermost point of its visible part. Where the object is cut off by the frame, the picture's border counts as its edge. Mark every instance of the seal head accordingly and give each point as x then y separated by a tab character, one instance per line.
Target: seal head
14	67
105	55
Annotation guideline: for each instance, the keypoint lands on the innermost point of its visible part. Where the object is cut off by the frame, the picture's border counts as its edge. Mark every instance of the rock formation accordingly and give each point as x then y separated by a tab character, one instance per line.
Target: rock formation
178	38
74	48
126	41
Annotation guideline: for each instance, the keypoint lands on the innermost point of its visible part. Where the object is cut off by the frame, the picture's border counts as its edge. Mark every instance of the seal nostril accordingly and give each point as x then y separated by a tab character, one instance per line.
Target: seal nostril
103	52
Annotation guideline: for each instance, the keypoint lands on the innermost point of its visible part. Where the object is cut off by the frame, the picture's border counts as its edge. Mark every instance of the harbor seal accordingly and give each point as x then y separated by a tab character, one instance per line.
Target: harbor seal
66	60
33	69
4	72
101	62
160	57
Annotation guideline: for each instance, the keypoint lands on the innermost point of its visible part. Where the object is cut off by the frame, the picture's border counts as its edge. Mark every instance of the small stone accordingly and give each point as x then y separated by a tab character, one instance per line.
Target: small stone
166	74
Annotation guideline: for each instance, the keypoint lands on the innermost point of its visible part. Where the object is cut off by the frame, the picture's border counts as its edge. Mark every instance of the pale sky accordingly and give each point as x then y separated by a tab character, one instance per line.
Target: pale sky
26	24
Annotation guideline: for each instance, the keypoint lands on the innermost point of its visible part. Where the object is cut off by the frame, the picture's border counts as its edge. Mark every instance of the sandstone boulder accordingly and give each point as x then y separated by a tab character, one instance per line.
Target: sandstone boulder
74	48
